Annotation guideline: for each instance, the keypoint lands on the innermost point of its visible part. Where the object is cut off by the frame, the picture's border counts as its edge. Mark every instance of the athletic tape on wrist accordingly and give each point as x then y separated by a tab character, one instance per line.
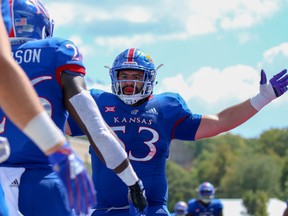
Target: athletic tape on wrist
258	101
128	176
43	132
265	96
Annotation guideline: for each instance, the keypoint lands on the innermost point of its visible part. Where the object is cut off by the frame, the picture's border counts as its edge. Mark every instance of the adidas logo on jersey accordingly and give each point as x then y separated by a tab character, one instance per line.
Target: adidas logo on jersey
134	112
152	111
15	183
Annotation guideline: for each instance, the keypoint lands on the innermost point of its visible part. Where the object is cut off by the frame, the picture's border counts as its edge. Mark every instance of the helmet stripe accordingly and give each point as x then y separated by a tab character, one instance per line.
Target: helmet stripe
12	30
131	54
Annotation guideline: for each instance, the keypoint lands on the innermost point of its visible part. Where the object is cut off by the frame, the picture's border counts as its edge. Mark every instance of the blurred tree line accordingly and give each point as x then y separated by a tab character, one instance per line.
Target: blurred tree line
251	169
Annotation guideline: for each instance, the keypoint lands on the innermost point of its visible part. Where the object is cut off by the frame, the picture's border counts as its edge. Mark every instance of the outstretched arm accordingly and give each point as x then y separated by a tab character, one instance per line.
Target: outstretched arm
212	125
234	116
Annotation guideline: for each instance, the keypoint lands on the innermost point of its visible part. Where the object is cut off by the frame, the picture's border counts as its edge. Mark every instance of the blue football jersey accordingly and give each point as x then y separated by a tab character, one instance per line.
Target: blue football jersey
6	15
146	131
196	208
43	61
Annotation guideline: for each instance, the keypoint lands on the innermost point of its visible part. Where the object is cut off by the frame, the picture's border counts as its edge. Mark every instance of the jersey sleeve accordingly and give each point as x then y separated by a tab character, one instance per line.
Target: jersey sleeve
191	205
218	203
68	58
186	122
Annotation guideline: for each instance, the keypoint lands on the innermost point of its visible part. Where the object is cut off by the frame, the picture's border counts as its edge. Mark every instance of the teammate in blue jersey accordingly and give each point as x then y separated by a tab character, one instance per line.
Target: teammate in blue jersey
55	69
147	123
180	209
20	102
205	204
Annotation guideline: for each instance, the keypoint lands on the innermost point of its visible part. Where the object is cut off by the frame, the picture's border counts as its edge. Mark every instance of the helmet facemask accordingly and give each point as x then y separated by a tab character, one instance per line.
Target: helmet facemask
206	192
180	208
206	196
138	94
136	60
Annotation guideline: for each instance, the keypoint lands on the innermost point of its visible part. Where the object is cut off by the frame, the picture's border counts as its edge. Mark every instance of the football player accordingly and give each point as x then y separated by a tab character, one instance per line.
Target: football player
205	204
20	103
147	123
180	209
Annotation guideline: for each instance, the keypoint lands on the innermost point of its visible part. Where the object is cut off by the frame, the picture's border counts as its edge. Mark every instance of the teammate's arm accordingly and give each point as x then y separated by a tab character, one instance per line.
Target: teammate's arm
105	143
84	111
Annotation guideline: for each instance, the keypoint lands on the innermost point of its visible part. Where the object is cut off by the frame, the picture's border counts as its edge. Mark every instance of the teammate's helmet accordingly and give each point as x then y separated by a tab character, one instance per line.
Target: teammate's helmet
180	208
206	192
30	19
6	14
133	59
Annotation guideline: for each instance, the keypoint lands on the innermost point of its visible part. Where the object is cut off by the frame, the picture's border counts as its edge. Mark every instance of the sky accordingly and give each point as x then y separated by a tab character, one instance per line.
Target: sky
212	51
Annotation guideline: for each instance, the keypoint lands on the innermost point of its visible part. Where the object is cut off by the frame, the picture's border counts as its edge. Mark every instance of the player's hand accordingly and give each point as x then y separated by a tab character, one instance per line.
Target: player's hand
137	199
276	87
71	170
279	82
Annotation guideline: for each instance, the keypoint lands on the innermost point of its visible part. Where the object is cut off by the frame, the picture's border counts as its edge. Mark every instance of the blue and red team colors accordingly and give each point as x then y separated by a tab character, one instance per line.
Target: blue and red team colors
146	131
42	60
196	208
6	15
